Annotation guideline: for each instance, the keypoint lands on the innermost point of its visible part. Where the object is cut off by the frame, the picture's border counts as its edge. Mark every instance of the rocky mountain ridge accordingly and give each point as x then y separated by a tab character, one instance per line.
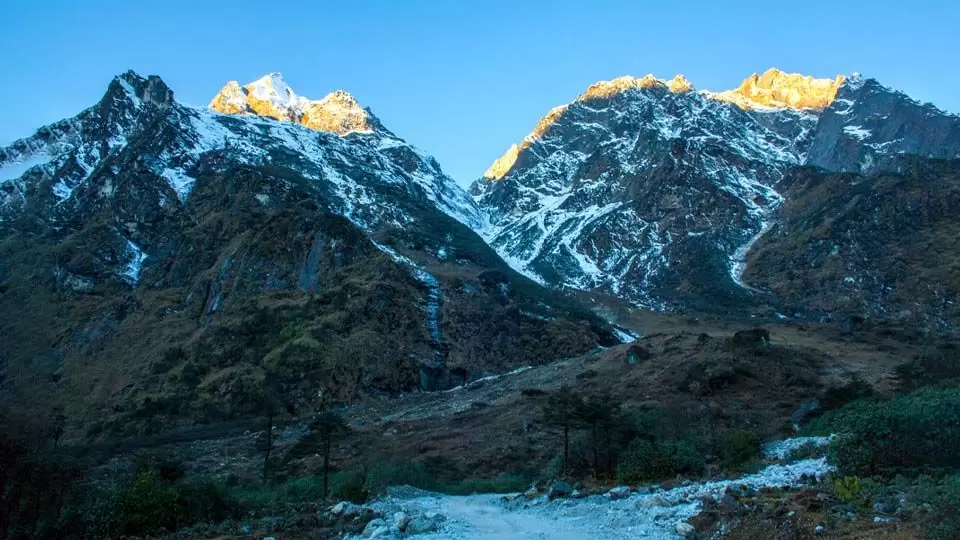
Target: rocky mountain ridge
236	257
270	96
655	193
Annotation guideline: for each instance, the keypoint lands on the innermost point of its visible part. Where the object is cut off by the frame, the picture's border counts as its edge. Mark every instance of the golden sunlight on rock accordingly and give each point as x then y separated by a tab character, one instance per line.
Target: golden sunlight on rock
607	89
679	84
503	164
339	112
776	89
270	97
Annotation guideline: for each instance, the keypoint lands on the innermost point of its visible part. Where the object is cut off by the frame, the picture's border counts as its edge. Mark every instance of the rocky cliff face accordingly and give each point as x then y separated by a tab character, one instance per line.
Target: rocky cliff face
644	189
868	126
241	258
651	191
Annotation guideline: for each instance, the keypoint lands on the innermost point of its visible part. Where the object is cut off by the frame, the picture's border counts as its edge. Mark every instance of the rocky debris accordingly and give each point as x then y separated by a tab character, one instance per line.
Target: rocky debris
654	501
345	509
424	523
685	529
377	528
619	492
780	450
559	489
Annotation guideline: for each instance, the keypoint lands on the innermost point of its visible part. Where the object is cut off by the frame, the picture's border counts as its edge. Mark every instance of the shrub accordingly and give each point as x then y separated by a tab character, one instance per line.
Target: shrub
384	474
348	485
737	447
147	504
944	496
915	432
847	489
854	389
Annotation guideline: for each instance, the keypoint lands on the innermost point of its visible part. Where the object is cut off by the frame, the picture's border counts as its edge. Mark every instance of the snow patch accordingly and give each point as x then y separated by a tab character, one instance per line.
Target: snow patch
623	335
135	256
857	132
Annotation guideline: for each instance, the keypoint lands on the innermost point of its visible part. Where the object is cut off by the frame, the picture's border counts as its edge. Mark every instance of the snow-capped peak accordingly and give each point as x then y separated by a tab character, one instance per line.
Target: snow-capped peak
273	88
271	96
775	89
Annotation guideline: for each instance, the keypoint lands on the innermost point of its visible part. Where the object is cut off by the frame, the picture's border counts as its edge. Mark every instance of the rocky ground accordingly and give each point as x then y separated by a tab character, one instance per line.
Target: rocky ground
787	500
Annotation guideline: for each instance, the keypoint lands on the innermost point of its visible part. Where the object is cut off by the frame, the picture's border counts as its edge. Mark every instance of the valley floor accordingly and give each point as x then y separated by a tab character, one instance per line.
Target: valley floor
647	513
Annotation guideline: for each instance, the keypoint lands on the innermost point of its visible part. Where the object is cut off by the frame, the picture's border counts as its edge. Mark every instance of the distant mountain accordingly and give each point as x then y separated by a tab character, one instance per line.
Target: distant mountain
655	192
161	263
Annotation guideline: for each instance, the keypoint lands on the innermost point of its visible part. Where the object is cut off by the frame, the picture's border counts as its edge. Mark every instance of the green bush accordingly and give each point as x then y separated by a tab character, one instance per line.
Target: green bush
944	495
646	460
737	447
915	432
348	485
384	474
147	504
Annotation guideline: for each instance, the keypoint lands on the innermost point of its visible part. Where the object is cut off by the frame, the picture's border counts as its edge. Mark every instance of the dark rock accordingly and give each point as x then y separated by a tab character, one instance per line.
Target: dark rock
756	337
559	489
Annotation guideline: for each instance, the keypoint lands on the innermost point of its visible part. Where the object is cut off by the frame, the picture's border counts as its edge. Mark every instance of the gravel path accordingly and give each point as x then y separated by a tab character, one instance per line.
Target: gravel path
655	514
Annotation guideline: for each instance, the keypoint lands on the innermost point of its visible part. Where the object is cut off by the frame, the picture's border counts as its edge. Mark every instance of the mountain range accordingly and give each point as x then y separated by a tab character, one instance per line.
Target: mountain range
162	264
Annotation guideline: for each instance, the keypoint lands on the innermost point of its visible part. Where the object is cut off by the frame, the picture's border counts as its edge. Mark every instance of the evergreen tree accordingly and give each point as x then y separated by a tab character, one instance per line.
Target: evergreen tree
564	409
329	426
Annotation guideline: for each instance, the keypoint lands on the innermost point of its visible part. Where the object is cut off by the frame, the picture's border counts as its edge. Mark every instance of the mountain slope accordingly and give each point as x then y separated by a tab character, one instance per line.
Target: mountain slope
644	189
858	247
656	193
170	264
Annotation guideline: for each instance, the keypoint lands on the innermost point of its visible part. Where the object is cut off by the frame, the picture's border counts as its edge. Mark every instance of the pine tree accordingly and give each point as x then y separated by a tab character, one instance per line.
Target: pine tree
328	425
564	409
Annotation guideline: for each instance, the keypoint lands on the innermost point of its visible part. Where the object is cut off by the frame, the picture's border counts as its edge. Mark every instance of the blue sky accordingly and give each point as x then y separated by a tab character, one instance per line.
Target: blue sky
460	79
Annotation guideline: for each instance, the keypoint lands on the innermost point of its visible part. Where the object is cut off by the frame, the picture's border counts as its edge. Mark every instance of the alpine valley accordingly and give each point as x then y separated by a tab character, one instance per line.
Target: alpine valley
173	277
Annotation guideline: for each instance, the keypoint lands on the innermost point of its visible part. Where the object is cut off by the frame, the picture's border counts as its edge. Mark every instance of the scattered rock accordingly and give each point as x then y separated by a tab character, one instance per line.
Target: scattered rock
619	492
559	489
426	523
685	529
531	493
377	528
401	520
728	505
345	509
654	501
885	519
819	529
271	524
882	508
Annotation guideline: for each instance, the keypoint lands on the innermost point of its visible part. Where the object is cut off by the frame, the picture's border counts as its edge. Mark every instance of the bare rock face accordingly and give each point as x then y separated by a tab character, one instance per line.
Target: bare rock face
869	126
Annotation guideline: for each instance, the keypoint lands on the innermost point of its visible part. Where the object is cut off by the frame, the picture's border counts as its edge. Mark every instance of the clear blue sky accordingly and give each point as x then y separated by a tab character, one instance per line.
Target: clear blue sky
460	79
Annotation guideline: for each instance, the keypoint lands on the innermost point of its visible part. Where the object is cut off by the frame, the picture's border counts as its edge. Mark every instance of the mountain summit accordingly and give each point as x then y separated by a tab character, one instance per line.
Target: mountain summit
776	89
271	96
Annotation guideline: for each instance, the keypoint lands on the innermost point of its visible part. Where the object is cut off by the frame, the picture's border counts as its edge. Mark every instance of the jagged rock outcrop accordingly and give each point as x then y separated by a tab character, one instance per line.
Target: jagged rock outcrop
270	96
776	89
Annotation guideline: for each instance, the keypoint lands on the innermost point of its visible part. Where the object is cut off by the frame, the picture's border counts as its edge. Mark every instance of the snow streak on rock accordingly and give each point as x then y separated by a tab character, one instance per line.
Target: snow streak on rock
618	188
